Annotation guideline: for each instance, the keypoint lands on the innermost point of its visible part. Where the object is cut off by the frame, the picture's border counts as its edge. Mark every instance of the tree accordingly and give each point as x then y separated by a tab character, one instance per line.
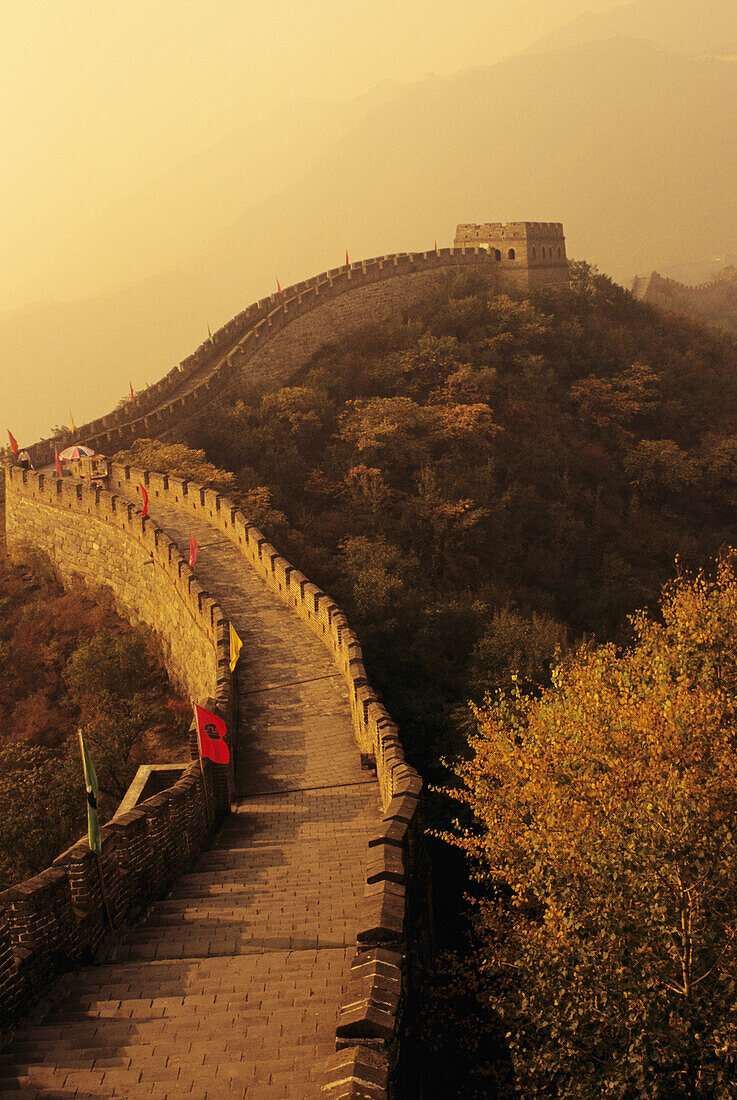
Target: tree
179	460
602	833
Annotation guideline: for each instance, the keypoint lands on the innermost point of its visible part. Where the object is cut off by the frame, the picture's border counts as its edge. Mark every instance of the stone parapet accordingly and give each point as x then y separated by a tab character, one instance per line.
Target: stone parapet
395	922
56	920
237	353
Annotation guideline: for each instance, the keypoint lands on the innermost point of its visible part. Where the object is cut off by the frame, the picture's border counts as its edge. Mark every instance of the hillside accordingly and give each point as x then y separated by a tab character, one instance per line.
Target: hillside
492	479
629	146
677	25
69	661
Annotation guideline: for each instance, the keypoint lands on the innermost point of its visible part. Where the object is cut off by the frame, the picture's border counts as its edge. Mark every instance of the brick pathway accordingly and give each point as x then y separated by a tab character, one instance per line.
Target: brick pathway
232	985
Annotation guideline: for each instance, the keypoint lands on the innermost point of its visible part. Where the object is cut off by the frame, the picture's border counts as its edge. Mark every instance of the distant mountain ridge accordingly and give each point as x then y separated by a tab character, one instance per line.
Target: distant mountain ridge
630	146
682	26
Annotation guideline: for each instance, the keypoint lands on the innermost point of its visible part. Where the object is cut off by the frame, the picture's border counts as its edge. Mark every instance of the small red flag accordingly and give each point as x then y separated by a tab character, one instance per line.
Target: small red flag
192	551
144	510
133	396
436	244
58	463
13	442
278	285
211	734
347	262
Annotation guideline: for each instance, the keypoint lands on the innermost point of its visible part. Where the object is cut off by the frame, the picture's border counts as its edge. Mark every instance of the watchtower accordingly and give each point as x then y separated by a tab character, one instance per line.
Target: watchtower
528	253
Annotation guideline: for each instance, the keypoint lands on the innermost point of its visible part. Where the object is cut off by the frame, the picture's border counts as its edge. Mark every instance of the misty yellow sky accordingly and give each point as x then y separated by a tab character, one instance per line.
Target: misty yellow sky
100	96
164	161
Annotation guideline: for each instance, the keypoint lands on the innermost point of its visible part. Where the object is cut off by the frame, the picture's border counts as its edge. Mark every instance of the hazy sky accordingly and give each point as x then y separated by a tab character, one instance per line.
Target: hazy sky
101	96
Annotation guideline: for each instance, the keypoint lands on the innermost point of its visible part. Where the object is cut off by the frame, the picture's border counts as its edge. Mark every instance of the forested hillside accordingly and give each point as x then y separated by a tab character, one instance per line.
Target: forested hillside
491	477
67	660
490	486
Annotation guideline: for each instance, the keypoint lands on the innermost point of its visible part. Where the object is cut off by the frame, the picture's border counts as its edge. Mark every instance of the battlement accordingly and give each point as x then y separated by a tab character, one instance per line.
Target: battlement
528	253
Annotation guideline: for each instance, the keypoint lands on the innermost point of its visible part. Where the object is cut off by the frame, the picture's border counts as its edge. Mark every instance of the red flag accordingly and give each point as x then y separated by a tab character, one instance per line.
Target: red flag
347	263
278	285
211	734
56	460
436	244
133	396
192	551
144	510
13	442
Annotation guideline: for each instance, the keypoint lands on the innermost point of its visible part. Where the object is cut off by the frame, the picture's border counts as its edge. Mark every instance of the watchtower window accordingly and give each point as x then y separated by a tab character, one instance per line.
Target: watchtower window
534	252
510	254
497	254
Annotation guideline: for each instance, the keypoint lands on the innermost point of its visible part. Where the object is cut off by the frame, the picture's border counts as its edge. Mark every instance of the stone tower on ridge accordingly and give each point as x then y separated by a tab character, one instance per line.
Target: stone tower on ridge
529	253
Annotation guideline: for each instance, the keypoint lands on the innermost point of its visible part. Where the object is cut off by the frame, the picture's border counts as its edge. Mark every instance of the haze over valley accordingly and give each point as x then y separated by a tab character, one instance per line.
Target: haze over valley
618	123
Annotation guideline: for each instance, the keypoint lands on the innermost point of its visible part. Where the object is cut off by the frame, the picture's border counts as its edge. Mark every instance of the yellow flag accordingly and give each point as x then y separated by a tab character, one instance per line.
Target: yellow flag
236	645
71	421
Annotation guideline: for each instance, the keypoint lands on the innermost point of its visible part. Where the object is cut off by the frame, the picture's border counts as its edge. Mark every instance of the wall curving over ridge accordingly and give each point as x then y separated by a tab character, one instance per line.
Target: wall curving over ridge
270	340
393	940
56	920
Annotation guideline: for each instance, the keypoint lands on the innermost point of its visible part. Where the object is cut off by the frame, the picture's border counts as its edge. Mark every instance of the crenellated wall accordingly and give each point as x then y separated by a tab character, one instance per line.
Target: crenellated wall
271	340
56	920
394	934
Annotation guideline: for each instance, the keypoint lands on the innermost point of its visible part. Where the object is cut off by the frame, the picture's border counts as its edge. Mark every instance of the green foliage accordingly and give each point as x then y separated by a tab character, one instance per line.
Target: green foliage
603	837
178	460
42	807
65	662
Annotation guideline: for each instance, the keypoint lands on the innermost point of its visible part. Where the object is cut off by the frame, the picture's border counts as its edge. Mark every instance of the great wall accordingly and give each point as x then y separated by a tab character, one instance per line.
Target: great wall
714	301
270	922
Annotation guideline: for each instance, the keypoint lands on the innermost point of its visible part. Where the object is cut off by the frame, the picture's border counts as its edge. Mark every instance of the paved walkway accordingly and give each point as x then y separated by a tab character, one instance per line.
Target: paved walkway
232	985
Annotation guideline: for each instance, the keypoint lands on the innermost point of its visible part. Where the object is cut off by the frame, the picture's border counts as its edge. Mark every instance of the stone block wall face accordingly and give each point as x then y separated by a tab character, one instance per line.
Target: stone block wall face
56	920
539	250
88	537
394	938
217	367
330	320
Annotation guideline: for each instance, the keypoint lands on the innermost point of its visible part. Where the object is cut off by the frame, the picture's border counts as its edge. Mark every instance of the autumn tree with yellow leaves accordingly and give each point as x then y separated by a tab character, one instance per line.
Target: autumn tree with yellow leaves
600	818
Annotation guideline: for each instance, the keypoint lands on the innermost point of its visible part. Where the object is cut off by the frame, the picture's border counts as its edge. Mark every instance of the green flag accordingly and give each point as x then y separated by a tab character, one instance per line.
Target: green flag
90	782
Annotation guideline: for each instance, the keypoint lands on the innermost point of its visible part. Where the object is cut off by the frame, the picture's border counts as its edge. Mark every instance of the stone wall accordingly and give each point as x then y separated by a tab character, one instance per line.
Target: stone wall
56	920
218	367
90	533
714	302
530	254
394	938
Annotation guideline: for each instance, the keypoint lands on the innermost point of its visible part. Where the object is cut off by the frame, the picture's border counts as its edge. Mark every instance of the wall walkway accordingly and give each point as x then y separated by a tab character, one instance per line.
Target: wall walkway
289	937
269	341
233	984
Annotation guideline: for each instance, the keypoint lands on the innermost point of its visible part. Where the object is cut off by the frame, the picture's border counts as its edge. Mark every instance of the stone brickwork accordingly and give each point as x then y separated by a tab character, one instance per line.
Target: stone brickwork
90	533
529	254
55	921
237	355
394	933
100	534
714	301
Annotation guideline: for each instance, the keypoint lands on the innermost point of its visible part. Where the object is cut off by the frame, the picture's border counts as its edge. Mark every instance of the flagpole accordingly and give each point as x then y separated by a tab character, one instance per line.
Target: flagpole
202	772
104	892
